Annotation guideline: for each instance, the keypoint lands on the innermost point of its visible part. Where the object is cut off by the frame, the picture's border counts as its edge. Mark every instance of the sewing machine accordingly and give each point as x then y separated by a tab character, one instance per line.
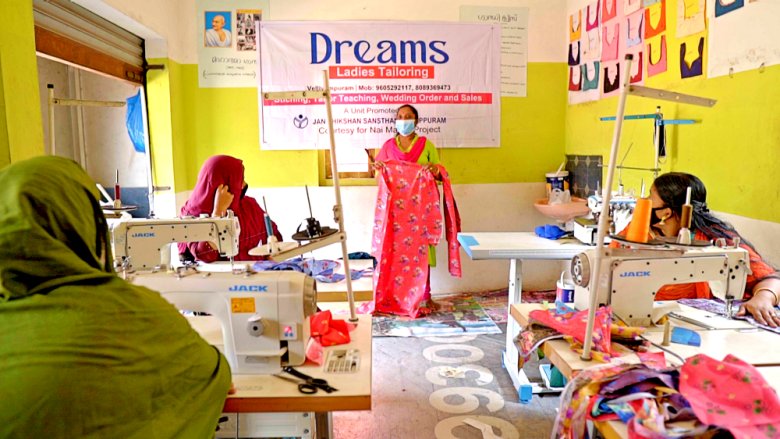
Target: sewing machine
621	210
145	243
630	277
264	316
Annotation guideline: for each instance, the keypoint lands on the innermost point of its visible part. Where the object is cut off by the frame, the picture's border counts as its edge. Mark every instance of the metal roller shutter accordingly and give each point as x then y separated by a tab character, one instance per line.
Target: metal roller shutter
71	33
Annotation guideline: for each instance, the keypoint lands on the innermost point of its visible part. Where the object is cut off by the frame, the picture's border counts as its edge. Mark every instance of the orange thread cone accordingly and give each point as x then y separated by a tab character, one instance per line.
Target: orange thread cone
640	223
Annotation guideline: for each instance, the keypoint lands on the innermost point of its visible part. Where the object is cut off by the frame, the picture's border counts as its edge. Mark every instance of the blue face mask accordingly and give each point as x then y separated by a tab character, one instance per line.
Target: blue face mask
404	126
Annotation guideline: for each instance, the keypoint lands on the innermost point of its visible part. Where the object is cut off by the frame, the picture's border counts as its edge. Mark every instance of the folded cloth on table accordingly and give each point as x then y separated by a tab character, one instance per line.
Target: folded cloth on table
550	231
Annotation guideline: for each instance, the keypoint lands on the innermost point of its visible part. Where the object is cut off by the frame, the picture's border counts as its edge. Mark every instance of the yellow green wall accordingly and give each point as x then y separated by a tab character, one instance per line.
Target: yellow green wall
208	121
21	132
734	149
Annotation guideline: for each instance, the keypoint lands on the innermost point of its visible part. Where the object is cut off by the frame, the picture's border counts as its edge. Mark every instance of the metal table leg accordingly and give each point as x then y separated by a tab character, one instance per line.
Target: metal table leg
324	425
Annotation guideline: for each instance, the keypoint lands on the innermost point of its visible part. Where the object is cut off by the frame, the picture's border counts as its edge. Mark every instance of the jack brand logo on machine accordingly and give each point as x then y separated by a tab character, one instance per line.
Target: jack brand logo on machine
250	288
635	274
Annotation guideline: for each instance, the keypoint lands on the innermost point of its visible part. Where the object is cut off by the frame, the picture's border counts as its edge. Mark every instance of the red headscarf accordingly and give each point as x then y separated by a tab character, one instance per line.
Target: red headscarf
218	170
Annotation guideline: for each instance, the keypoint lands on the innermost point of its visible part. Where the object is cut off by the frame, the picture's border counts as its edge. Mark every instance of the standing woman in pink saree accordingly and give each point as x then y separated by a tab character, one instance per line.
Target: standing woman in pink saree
407	146
220	187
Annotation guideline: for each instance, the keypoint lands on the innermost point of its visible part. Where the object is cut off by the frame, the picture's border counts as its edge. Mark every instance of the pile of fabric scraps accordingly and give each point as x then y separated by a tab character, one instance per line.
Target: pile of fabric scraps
322	270
569	324
697	400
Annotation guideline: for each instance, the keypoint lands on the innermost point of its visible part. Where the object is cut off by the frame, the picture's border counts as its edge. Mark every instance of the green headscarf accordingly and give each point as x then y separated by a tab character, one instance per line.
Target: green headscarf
52	230
83	353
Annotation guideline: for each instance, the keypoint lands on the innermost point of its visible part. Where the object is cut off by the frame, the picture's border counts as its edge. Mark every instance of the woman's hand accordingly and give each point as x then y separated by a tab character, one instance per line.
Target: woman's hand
222	200
761	307
232	390
433	170
378	166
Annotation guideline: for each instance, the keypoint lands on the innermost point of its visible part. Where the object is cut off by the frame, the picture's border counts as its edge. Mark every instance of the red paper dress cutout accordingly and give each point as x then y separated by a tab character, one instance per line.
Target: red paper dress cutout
655	27
608	10
592	16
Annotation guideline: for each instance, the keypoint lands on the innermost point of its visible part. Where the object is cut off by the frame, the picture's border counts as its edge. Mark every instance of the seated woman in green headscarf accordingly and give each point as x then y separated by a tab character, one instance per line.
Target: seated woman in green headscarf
83	352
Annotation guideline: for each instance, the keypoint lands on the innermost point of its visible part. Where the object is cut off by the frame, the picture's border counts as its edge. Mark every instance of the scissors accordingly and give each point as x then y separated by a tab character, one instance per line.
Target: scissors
309	385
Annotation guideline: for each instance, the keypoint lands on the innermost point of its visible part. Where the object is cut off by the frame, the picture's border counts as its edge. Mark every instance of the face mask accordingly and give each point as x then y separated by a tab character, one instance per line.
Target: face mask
243	190
404	126
654	219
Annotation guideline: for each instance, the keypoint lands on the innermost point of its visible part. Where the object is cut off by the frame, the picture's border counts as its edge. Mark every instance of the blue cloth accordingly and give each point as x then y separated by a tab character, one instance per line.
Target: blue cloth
361	255
321	270
135	122
549	231
686	337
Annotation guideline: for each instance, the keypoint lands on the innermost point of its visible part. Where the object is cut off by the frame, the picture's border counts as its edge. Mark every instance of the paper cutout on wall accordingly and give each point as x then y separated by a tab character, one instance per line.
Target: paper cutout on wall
646	3
631	6
575	26
591	46
608	10
635	29
745	40
611	74
575	78
690	17
592	16
725	6
574	53
590	75
691	62
610	42
656	56
637	67
655	19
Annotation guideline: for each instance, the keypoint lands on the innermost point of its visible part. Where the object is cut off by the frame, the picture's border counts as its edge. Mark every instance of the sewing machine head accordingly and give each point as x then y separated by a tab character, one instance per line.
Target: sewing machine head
145	243
264	316
630	278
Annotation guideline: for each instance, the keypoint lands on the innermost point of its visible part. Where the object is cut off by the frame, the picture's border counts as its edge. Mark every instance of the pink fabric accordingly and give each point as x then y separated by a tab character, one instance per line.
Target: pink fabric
731	394
574	324
217	170
407	219
390	151
451	224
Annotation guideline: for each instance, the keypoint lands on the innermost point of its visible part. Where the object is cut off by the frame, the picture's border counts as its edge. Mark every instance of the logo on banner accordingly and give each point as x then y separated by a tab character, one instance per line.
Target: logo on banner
300	121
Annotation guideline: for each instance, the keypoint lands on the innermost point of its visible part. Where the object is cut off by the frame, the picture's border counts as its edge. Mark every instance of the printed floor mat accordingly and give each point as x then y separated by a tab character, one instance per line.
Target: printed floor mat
458	315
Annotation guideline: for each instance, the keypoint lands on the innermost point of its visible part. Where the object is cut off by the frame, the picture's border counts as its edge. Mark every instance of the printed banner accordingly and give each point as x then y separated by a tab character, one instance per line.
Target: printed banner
227	42
449	71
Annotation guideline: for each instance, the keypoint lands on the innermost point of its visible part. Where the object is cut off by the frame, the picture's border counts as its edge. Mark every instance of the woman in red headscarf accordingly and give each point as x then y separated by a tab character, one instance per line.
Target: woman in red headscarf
220	187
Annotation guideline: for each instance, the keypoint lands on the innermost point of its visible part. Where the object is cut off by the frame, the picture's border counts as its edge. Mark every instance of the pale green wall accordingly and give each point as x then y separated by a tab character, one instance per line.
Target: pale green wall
21	132
735	149
224	121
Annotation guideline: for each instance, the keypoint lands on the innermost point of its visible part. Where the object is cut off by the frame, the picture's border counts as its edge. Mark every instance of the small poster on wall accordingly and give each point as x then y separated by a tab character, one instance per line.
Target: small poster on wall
742	36
514	43
227	41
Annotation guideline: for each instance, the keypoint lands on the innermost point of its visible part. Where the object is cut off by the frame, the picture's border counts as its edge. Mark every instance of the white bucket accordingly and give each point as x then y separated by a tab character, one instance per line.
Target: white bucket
557	180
